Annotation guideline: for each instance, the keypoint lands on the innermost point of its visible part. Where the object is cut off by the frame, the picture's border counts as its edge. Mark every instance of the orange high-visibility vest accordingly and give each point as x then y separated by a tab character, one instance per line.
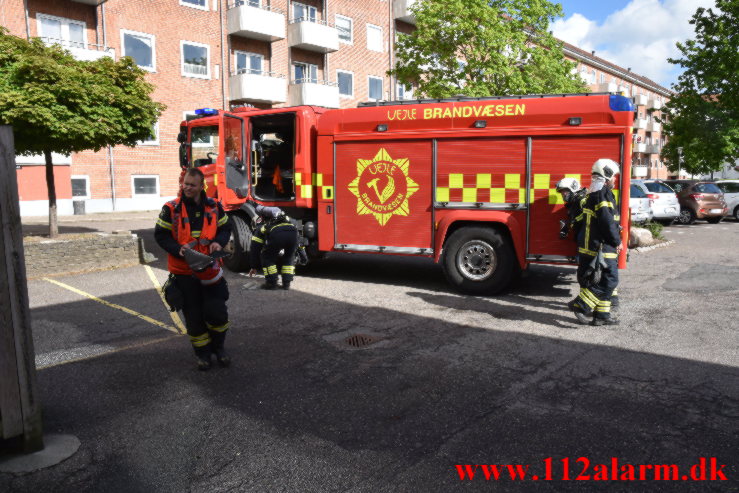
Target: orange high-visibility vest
182	232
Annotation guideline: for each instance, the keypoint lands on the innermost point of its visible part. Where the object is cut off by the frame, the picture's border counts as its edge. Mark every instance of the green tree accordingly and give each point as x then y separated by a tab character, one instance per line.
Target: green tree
484	48
56	103
704	114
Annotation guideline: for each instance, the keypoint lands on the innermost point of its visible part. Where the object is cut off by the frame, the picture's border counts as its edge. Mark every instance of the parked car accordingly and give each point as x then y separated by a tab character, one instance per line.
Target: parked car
639	205
665	206
698	200
731	196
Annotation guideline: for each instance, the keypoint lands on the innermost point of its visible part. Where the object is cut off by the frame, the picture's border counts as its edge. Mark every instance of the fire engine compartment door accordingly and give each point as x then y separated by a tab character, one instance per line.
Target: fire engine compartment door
554	158
235	157
383	196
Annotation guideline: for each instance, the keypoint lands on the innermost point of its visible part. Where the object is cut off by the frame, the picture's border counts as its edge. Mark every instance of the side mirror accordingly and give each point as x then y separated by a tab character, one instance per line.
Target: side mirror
182	137
183	155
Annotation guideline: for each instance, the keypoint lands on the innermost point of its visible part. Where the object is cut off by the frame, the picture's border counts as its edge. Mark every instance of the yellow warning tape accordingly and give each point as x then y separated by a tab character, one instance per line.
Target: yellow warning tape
113	305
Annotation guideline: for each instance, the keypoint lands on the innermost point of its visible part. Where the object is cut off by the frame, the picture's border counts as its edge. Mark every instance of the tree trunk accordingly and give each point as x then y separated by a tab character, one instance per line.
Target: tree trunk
51	189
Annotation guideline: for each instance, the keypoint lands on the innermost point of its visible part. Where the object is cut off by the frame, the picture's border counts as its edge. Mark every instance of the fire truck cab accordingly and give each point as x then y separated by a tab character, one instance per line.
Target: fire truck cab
467	182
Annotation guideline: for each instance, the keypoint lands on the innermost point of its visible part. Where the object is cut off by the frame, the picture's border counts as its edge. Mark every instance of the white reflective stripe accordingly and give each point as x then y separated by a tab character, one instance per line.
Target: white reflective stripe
208	282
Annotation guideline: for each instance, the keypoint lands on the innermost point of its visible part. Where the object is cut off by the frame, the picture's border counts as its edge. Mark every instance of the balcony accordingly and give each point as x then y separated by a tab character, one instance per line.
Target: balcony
639	147
640	100
314	93
82	51
312	36
640	171
402	11
251	21
655	104
607	87
653	149
640	123
654	126
258	87
624	90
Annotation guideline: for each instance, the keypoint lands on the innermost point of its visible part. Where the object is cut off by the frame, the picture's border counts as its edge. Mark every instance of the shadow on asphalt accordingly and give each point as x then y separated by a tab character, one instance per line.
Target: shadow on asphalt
392	417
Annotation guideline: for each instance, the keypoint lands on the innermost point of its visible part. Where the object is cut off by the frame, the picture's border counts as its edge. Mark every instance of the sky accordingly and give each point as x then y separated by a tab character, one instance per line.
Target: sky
640	34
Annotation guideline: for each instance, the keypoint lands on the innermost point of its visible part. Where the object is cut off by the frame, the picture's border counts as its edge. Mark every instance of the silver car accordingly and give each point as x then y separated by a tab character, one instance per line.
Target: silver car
664	203
731	196
639	205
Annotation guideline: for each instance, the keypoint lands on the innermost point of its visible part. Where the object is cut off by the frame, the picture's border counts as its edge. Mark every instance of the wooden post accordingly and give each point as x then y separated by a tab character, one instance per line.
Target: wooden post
20	410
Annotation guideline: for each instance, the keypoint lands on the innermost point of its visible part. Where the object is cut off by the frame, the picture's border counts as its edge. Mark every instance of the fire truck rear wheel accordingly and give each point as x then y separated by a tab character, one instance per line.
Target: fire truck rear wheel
479	260
238	245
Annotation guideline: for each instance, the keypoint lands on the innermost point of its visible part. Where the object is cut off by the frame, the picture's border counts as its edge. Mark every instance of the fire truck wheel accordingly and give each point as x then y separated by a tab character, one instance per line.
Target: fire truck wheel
479	260
238	245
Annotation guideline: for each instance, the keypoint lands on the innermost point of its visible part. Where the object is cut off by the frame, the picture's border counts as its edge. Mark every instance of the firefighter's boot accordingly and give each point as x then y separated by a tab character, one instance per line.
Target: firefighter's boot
203	355
605	321
218	340
286	285
581	316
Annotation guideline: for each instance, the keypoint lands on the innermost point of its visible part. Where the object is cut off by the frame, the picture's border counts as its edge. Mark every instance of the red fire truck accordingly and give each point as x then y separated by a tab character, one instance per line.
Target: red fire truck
467	182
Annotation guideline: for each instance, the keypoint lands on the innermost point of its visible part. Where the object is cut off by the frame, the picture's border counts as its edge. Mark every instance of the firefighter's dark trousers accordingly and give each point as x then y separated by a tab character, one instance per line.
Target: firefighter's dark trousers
595	300
206	314
281	239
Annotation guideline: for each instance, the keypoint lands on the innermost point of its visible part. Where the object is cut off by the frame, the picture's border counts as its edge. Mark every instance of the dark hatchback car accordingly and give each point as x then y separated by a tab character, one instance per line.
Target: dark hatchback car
698	200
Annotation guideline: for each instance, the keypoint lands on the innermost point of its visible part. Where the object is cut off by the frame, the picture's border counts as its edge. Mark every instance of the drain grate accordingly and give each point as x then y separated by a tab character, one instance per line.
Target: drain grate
361	340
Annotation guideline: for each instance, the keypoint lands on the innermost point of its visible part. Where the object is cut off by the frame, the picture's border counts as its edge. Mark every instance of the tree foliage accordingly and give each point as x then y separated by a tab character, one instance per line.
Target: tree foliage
704	114
56	103
484	48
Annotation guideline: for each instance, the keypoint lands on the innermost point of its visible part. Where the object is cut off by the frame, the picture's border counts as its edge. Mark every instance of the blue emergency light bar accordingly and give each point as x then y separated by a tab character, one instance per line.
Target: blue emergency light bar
206	112
620	103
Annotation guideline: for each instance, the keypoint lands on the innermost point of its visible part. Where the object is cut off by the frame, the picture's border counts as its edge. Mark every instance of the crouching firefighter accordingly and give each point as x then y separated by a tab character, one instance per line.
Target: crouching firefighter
191	228
599	243
574	197
276	234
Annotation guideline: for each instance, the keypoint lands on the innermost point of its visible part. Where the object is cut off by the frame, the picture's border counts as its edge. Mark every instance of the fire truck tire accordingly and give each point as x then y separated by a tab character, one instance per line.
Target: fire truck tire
238	245
479	260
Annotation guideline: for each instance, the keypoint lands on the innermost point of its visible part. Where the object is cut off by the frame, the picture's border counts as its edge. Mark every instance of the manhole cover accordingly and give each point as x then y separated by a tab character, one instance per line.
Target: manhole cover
360	340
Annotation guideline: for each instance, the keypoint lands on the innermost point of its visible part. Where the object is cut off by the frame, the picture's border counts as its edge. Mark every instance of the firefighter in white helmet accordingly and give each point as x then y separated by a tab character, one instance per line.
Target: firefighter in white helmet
599	242
274	235
573	196
194	221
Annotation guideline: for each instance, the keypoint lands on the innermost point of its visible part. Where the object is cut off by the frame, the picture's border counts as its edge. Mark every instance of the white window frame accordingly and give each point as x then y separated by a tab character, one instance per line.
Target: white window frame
182	59
308	8
407	91
345	96
370	28
66	42
133	187
153	39
308	80
87	186
154	142
193	6
369	85
248	54
351	28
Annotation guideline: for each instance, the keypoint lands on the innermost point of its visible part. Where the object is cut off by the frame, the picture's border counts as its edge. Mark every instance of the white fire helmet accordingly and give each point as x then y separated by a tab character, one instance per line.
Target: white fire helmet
606	168
570	184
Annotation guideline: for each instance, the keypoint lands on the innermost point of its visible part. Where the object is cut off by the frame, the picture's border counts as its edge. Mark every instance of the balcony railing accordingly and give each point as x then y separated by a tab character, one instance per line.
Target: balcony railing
639	147
402	11
314	92
607	87
81	51
640	171
249	20
640	100
312	35
258	86
653	148
640	123
654	126
655	104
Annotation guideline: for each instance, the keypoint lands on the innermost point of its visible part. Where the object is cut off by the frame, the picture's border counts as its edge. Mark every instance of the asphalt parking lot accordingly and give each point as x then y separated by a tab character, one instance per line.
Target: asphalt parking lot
448	379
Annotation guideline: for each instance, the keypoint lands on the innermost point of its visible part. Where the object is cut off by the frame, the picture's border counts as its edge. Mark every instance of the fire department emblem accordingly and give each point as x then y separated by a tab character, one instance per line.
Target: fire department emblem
383	187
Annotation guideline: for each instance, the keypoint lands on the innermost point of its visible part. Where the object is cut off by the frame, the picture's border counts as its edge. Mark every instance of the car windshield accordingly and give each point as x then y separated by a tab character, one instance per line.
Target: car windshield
707	188
678	187
637	193
658	187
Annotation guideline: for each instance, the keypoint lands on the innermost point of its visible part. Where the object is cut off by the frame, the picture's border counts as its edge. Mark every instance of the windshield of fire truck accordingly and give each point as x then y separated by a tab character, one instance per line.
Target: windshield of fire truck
204	145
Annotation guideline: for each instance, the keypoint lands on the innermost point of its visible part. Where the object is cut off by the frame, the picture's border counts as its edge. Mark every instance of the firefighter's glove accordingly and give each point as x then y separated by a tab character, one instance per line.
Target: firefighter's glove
302	256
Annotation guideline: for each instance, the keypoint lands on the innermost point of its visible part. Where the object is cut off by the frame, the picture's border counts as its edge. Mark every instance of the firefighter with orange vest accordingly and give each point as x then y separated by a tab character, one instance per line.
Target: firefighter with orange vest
599	243
198	223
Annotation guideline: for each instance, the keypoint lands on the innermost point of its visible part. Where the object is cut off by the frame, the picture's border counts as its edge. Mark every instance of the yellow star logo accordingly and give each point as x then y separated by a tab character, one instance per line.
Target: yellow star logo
383	187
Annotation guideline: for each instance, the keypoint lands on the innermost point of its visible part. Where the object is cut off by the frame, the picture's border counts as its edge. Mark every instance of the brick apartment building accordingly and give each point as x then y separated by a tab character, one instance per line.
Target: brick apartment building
226	53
